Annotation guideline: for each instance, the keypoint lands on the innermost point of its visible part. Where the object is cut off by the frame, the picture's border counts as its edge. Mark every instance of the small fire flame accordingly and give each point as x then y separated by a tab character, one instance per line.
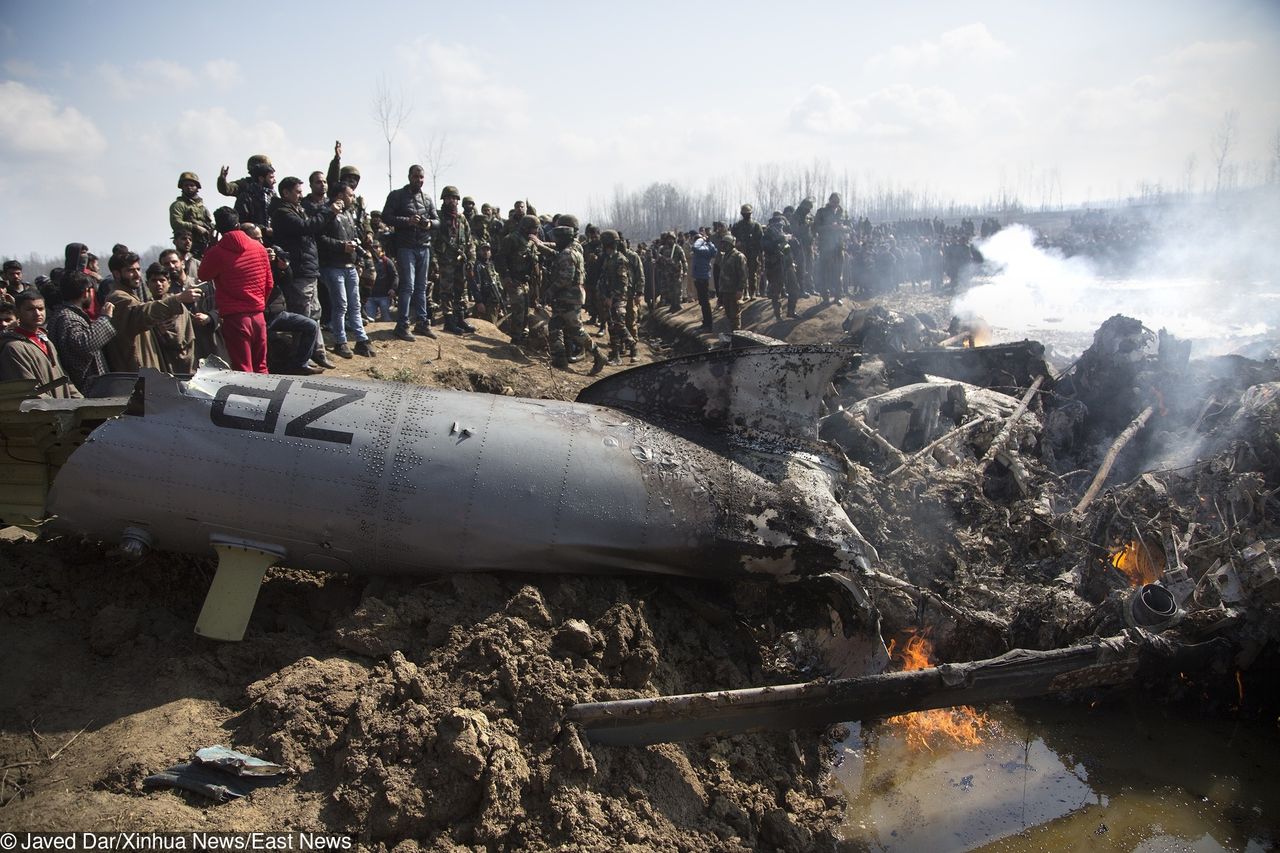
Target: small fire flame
962	725
1136	562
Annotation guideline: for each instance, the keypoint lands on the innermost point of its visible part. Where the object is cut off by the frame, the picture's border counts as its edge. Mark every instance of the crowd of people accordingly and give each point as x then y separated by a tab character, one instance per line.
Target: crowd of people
290	273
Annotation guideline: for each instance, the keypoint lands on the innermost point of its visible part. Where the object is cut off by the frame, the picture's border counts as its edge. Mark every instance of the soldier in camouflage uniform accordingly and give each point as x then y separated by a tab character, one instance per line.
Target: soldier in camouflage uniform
779	266
517	263
478	220
636	263
188	215
453	249
802	230
670	267
733	279
565	295
615	289
750	237
487	286
592	255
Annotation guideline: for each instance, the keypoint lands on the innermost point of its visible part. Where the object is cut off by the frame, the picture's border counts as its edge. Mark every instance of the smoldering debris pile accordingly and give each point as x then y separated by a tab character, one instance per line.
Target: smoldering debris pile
1035	509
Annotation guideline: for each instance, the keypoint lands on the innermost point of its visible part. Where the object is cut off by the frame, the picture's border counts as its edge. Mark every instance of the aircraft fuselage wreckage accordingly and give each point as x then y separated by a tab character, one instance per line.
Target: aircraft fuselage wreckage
706	465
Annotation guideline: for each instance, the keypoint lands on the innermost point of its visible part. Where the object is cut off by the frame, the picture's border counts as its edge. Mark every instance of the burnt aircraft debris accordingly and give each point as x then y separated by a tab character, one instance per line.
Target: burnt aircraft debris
970	490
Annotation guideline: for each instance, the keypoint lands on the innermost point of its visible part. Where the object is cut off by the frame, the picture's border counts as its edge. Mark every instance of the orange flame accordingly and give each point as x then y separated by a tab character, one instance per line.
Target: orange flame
962	724
1136	562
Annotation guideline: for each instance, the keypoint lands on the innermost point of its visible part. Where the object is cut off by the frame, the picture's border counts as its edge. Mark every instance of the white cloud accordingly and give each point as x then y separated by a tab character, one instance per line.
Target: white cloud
972	43
895	111
462	90
31	123
21	67
161	77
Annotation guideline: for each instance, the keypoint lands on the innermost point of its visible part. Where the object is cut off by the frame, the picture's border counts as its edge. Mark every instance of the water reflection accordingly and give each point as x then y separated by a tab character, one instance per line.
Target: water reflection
1058	777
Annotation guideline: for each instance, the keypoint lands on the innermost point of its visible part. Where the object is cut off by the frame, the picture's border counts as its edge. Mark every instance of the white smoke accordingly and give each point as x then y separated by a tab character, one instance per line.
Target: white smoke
1209	277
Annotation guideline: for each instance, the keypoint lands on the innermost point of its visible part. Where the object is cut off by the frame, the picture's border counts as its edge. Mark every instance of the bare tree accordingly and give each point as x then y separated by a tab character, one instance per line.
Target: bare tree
434	159
1189	174
390	112
1273	169
1220	146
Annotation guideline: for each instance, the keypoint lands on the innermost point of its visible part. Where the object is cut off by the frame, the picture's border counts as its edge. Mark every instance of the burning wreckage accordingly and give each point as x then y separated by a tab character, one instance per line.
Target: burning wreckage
1110	523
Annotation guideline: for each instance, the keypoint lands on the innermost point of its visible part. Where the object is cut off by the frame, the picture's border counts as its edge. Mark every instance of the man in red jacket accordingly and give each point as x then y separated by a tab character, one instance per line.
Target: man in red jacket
240	269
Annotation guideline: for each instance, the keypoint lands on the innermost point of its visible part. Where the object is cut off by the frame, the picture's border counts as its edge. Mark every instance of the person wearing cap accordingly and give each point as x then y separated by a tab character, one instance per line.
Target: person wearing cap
350	175
615	291
669	269
13	283
750	237
255	194
455	254
733	279
779	265
188	215
565	295
517	263
831	225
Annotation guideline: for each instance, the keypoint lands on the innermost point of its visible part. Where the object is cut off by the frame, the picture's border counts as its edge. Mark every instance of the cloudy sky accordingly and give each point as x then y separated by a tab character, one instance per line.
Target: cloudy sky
102	104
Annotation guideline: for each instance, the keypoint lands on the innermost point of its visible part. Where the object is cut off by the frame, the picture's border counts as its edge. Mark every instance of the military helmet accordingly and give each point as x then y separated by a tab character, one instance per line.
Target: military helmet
608	237
729	240
450	192
483	244
746	208
188	176
348	172
568	219
529	223
468	200
564	232
668	235
259	164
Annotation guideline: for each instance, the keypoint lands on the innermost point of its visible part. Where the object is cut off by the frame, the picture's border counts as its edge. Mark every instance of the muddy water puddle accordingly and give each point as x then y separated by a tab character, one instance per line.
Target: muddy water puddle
1052	777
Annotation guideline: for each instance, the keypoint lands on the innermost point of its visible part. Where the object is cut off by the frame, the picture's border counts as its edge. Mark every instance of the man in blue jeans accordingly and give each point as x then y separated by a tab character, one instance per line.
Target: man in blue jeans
412	214
339	246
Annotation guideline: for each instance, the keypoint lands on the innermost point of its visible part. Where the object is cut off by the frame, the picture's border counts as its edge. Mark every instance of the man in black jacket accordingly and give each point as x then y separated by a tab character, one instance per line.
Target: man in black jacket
412	214
295	231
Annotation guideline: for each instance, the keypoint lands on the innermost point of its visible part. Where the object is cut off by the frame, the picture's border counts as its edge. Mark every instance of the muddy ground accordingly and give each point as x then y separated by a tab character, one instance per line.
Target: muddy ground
428	715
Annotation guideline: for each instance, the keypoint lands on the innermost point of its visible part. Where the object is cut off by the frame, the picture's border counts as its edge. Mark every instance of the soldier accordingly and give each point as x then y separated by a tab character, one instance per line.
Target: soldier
517	263
779	267
670	267
254	194
750	238
831	225
802	230
733	279
565	295
490	303
633	296
350	176
455	253
615	291
188	215
592	255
